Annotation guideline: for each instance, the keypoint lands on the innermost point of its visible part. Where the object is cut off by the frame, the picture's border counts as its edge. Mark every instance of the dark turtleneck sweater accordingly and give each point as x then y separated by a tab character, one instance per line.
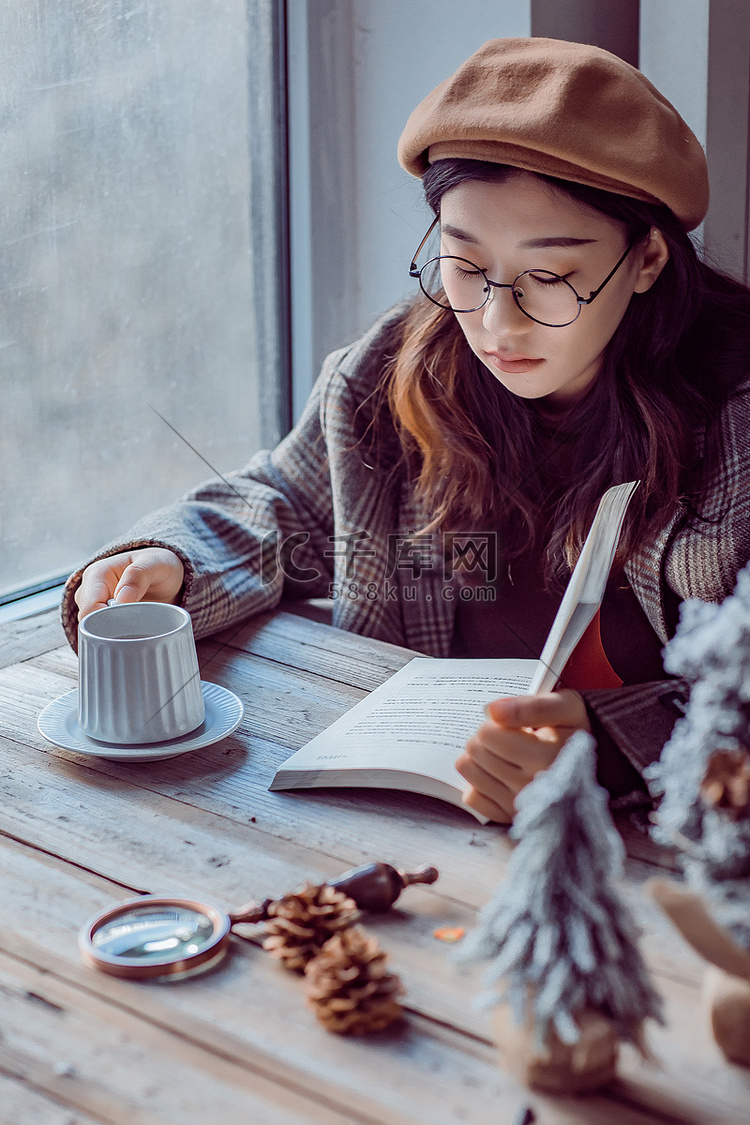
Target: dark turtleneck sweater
515	621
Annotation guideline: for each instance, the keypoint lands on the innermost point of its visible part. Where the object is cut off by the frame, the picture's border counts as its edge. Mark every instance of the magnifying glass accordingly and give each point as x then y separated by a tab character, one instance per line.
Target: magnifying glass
156	937
152	937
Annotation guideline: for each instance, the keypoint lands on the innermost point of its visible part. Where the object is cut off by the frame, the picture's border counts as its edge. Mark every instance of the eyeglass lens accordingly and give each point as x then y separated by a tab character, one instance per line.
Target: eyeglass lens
458	284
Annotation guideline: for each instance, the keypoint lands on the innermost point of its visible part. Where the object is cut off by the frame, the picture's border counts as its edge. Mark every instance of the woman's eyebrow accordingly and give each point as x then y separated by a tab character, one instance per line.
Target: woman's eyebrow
562	241
545	243
456	232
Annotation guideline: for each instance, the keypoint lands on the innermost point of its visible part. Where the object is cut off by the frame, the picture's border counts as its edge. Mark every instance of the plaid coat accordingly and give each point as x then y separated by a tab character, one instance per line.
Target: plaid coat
315	516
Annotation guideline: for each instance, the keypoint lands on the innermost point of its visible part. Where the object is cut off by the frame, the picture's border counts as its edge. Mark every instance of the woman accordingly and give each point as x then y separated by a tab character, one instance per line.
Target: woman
567	339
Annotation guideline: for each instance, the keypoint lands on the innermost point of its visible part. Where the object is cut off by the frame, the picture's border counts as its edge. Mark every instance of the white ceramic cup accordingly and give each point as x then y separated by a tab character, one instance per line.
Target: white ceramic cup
138	677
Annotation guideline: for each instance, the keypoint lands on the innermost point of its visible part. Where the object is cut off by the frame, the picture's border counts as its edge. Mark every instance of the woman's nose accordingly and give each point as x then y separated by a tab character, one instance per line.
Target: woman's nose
501	314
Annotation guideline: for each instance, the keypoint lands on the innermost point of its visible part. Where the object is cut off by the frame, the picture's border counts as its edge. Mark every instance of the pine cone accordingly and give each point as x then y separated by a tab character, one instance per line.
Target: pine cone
726	784
300	924
349	987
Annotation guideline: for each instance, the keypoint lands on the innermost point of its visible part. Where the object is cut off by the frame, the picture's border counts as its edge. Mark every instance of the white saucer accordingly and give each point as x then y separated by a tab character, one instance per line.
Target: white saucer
58	723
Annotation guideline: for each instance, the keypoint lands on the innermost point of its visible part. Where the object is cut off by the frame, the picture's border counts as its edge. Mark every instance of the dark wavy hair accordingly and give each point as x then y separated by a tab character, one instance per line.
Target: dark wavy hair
476	450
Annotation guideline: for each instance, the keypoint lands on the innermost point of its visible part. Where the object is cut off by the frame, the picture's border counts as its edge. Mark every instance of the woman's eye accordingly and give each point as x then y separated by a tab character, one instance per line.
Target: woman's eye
460	271
546	279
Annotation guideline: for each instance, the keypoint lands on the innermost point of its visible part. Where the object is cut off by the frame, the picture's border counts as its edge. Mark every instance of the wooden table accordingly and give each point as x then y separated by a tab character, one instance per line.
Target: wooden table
239	1045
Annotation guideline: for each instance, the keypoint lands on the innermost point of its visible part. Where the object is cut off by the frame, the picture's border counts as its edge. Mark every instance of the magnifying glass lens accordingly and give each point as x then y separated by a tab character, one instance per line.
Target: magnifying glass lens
149	934
152	937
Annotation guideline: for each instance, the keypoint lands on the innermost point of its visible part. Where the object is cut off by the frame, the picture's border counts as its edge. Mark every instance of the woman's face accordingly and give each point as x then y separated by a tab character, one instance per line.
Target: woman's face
525	223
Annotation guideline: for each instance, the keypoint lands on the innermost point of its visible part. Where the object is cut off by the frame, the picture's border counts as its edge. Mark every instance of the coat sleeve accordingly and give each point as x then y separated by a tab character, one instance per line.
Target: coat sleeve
698	558
689	559
639	717
246	538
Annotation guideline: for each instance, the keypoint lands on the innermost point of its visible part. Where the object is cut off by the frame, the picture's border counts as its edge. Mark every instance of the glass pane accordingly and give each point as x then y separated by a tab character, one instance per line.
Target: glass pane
127	266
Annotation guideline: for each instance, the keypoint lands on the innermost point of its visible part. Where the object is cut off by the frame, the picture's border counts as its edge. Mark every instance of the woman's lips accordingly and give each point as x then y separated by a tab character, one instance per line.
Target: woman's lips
513	364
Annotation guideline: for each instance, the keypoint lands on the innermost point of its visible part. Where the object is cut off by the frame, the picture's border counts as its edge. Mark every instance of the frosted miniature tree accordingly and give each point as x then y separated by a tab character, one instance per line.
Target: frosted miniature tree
703	776
711	649
559	939
706	757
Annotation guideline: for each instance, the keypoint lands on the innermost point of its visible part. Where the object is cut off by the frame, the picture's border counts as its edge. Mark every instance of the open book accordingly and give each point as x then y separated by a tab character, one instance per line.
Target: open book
407	733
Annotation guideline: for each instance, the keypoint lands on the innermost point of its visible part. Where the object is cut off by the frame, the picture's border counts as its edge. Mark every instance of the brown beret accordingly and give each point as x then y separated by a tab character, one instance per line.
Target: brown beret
566	110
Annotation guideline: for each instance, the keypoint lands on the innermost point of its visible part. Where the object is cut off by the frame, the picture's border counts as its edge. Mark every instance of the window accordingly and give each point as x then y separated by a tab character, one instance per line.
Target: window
142	240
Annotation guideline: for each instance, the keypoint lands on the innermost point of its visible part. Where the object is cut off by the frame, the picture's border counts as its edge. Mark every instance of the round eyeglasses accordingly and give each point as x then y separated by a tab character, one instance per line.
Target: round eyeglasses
545	297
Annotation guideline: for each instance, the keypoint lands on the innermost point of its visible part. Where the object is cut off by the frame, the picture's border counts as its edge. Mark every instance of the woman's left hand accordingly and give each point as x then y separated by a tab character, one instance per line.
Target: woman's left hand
521	736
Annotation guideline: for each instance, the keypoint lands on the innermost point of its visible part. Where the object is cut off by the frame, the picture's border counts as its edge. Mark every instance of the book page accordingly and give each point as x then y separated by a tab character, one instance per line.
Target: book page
585	590
418	721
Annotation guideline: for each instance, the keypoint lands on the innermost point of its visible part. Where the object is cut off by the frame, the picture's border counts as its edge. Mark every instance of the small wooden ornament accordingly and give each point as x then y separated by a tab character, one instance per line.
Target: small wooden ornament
690	914
726	783
558	1068
376	886
727	981
728	1000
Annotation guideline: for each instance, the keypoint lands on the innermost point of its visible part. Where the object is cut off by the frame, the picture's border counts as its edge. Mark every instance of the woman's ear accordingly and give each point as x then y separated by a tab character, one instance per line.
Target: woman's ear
654	256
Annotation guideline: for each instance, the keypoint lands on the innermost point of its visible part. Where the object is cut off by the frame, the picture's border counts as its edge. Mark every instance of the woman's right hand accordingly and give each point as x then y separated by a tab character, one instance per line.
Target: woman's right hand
151	574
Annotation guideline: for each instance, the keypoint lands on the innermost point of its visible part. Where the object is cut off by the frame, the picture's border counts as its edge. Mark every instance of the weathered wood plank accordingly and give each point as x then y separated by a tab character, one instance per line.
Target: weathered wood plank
20	1105
284	708
113	1063
157	842
21	640
337	656
300	643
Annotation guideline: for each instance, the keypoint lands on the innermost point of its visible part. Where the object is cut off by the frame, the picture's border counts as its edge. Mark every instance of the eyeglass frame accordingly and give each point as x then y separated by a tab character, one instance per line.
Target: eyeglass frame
416	272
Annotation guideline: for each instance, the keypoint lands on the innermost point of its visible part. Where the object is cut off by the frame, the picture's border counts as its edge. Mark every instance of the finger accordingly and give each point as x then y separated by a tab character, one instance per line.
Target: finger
98	583
500	744
94	596
494	797
473	799
552	709
511	771
515	756
134	583
491	788
153	573
510	742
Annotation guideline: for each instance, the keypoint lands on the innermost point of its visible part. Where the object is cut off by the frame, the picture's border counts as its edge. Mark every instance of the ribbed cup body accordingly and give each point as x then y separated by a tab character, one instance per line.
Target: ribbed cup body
138	677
